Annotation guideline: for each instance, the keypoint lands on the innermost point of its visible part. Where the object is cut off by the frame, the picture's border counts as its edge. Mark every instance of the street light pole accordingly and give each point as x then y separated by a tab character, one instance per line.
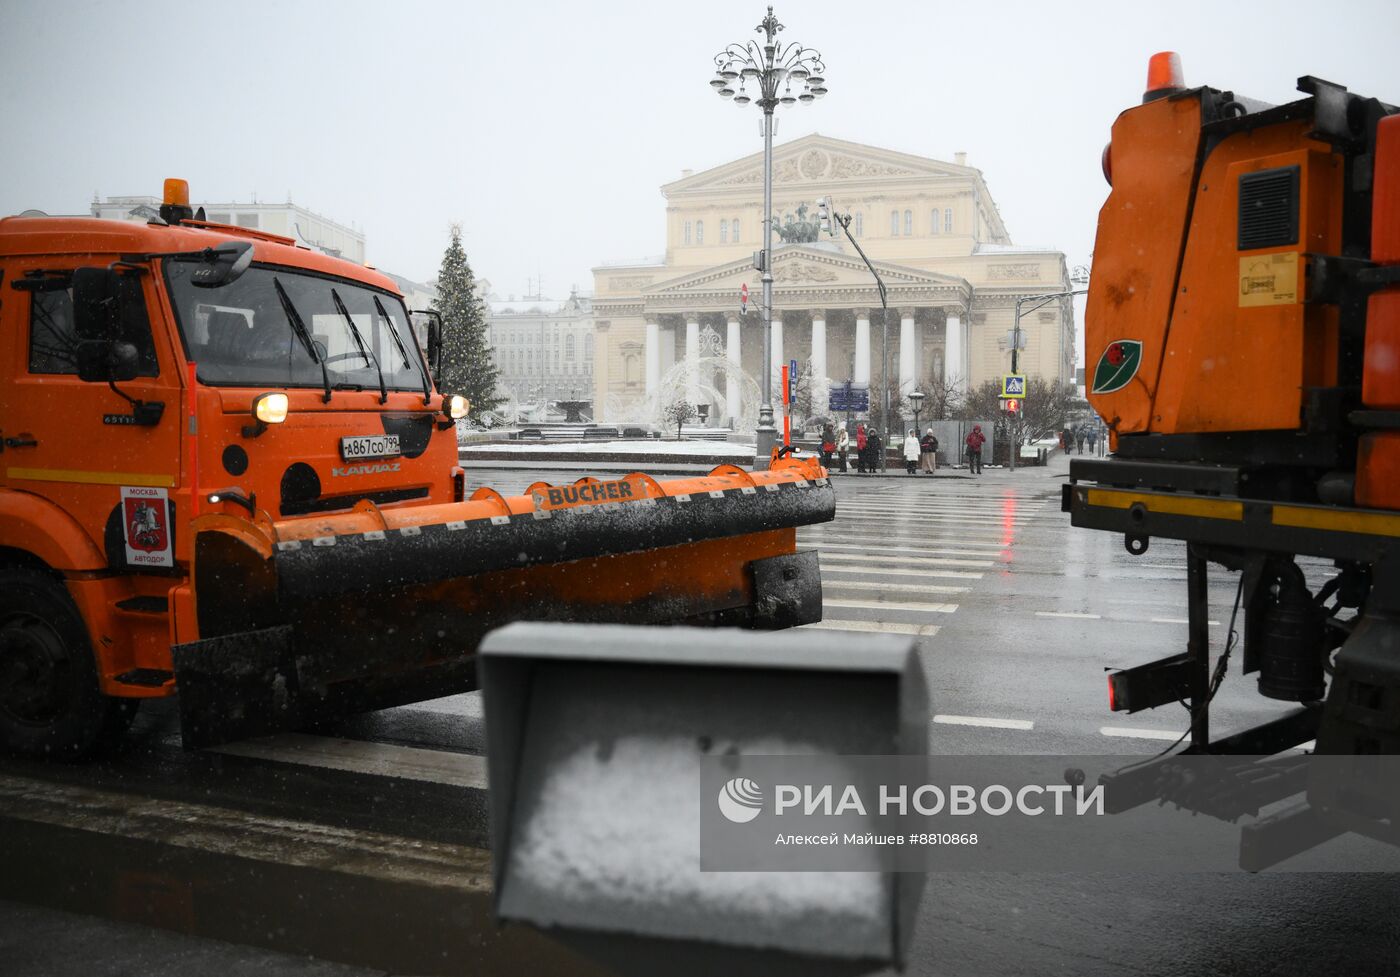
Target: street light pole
767	431
770	66
1041	301
826	213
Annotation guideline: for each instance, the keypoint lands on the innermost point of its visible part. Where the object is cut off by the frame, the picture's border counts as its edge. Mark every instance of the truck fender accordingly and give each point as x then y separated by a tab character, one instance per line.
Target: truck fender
37	526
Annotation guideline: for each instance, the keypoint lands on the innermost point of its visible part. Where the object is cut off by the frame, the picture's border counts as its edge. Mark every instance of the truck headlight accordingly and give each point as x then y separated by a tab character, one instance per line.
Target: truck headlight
270	408
456	407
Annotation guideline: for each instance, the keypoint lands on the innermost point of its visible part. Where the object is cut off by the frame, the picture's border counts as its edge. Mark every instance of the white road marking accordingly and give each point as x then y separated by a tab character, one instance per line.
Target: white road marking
889	605
374	759
877	572
888	627
1176	620
951	512
987	721
1072	614
929	561
987	549
264	838
900	588
956	508
931	522
959	537
1140	734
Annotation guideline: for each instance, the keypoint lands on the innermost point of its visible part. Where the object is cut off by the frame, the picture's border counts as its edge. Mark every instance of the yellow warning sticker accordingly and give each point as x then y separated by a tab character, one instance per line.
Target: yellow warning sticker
1269	279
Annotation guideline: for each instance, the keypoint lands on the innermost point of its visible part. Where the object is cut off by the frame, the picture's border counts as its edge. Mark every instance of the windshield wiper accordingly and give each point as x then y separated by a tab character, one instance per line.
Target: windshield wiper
393	331
365	351
303	334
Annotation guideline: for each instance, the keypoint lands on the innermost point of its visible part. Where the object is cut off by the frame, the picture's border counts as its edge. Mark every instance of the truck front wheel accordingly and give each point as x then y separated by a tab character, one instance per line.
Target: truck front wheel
50	702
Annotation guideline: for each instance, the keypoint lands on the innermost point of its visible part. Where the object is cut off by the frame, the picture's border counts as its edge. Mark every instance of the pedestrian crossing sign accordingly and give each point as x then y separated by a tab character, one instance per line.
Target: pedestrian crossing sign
1013	385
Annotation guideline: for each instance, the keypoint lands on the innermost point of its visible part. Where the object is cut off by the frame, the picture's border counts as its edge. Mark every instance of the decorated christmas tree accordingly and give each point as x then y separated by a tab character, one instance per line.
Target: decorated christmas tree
467	368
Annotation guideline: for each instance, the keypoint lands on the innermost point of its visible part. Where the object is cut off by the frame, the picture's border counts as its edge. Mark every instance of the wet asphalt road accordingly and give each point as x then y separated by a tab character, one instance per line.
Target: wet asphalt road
1016	615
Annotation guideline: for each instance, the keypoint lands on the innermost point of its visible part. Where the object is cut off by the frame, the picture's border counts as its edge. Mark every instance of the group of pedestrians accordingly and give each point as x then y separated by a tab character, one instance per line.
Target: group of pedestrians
920	453
1079	437
837	446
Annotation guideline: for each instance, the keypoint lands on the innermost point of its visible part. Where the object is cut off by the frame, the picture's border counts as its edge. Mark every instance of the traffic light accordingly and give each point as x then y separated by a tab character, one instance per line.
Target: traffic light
1013	407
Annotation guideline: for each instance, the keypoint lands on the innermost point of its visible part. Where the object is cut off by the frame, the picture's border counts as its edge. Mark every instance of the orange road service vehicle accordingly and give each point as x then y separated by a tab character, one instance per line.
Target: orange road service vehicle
226	474
1243	342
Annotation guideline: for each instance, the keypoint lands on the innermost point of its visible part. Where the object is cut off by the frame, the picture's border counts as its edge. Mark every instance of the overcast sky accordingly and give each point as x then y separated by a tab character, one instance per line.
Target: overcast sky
546	129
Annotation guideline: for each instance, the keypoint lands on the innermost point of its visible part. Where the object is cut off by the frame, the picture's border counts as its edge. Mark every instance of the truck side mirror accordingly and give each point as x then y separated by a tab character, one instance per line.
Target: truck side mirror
107	361
433	342
96	304
97	309
435	347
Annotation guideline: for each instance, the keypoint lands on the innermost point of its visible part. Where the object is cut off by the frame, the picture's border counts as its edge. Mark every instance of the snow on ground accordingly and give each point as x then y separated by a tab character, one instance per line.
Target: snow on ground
704	449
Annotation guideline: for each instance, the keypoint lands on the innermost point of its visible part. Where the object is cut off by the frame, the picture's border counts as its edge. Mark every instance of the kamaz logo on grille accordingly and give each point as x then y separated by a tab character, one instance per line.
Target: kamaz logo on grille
375	469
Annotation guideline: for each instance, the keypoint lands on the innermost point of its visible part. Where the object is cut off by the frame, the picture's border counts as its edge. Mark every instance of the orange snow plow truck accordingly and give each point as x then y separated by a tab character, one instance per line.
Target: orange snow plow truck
226	474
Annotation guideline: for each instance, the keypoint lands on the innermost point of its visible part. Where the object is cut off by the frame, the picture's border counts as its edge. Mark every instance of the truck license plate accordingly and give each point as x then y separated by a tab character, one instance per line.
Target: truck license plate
369	446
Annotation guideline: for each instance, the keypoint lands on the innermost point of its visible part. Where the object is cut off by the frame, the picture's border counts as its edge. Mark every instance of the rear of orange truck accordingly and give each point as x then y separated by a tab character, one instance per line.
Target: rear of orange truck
1243	341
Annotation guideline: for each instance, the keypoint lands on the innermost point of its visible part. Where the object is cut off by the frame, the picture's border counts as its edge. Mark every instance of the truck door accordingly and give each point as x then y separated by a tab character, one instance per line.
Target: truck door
107	454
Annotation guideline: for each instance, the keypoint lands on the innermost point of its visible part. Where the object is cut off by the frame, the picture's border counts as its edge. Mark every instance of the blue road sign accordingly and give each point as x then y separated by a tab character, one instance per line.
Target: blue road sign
849	397
1013	385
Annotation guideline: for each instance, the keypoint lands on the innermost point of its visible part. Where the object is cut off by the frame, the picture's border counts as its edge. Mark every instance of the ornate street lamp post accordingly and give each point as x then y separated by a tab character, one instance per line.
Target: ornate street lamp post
917	399
772	68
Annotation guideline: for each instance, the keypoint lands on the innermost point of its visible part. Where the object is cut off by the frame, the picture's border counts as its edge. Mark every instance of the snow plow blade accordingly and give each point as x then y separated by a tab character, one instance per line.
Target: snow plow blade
311	619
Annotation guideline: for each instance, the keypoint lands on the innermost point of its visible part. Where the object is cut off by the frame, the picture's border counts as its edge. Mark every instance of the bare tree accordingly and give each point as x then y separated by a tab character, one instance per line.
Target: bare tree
900	407
943	398
1044	410
806	405
678	412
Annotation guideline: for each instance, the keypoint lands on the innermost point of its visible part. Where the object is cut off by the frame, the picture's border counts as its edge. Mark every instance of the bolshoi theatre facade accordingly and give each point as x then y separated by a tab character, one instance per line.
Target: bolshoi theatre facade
671	327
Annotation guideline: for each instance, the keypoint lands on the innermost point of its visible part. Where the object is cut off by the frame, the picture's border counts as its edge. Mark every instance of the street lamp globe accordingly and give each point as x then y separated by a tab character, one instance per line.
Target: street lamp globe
769	65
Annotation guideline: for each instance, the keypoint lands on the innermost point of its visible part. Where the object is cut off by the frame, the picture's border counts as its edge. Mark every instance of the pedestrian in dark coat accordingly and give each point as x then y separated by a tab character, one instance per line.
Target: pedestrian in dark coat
928	452
828	445
975	439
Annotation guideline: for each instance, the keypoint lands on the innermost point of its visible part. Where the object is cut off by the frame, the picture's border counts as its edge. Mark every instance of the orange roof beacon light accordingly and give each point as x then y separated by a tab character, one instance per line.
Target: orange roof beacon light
1164	75
177	191
175	205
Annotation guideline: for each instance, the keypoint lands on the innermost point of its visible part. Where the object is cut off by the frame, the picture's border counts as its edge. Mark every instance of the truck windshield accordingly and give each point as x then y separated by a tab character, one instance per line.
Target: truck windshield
241	334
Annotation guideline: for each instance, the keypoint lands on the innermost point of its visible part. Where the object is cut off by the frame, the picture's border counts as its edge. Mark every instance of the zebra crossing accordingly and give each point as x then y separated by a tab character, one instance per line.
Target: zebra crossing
900	562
